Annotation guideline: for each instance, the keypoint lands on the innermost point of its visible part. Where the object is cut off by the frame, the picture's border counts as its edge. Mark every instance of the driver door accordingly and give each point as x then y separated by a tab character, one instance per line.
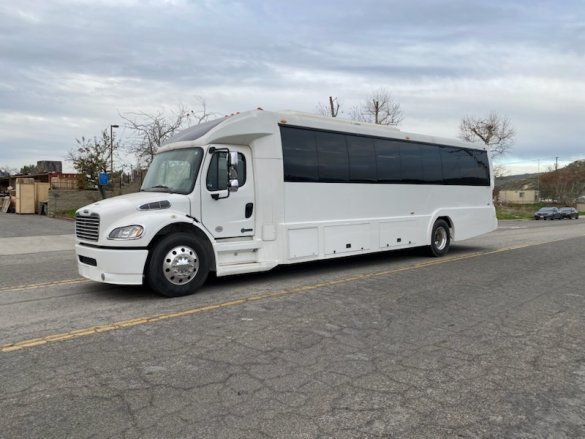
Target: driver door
228	214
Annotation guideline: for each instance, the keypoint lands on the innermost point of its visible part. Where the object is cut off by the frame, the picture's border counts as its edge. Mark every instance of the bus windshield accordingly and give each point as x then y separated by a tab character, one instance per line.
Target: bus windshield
173	171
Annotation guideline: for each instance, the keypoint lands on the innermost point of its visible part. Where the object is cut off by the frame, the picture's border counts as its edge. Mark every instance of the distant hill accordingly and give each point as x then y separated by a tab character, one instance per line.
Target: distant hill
517	182
564	185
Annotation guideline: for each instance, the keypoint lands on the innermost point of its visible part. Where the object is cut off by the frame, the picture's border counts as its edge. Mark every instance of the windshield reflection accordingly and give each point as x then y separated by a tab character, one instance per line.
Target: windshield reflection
173	171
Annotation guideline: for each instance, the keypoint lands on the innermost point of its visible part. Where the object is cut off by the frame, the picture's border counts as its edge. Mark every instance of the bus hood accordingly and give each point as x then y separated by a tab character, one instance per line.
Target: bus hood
141	201
143	208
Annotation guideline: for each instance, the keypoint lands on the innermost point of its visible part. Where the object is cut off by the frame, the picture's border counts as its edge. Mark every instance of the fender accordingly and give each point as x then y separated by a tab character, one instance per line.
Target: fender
153	222
443	214
190	224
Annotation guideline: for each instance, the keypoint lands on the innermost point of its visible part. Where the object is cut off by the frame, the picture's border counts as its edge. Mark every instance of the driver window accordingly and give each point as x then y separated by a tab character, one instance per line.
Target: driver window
217	175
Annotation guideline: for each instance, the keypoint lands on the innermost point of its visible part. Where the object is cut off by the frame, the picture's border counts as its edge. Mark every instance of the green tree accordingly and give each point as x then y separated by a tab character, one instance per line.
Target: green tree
91	157
28	169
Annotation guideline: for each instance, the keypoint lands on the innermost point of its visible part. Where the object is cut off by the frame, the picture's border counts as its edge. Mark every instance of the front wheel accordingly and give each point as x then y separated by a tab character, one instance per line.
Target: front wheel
440	238
178	265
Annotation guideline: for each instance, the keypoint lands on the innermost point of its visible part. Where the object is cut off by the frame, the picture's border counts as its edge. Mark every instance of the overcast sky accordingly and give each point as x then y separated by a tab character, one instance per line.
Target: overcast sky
68	68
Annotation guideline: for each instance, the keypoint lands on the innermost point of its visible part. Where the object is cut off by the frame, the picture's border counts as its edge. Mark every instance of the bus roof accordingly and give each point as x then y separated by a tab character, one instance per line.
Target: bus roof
243	128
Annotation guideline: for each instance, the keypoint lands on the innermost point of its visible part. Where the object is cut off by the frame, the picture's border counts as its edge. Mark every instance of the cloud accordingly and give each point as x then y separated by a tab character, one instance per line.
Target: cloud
70	67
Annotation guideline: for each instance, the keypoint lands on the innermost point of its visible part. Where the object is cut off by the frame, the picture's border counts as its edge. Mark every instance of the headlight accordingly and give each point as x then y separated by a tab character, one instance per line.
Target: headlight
128	232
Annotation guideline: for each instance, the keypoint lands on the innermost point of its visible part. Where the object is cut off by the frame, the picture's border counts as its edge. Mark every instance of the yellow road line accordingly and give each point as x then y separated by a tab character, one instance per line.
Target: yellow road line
42	285
11	347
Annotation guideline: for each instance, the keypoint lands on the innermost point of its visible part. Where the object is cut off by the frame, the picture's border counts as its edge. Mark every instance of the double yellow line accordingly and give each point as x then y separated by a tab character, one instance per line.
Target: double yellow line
16	346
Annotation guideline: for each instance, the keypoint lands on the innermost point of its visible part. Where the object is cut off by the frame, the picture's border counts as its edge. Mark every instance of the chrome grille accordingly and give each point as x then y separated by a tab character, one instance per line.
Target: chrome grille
87	227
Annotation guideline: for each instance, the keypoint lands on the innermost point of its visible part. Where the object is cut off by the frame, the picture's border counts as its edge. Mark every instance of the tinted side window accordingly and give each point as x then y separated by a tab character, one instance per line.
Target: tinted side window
463	166
362	159
451	164
299	152
388	161
483	167
432	167
217	174
470	171
333	159
411	163
320	156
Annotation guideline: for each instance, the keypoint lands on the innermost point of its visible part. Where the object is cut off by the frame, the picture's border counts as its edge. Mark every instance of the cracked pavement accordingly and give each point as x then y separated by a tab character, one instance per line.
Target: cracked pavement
489	346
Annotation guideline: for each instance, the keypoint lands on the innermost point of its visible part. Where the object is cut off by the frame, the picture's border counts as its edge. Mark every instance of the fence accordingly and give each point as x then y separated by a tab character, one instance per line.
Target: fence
62	200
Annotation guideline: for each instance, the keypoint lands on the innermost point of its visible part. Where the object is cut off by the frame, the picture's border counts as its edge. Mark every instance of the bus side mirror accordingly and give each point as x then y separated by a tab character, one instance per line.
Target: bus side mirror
227	166
233	162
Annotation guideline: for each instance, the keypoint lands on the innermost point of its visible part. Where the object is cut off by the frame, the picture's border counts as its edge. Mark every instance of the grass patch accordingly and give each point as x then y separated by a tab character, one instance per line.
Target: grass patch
69	213
516	211
520	211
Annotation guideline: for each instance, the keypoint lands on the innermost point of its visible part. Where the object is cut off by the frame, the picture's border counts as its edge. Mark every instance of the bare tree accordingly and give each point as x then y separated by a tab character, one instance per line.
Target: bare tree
495	131
5	171
380	108
499	171
151	130
332	109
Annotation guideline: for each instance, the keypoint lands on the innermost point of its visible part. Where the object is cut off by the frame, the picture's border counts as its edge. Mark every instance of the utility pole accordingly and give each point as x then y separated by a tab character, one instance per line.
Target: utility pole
112	149
334	108
557	190
538	182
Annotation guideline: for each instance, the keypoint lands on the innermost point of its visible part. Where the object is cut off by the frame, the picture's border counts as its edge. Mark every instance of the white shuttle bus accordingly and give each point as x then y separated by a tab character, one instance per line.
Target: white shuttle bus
254	190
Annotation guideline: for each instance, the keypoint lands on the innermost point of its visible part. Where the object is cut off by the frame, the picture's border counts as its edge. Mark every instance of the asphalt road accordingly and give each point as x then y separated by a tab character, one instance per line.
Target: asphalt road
486	342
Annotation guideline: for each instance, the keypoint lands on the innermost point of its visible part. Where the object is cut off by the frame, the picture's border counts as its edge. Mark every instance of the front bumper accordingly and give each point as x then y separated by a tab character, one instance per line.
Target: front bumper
113	266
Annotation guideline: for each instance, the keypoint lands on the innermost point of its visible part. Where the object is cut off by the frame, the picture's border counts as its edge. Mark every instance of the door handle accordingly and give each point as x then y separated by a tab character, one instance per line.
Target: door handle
249	210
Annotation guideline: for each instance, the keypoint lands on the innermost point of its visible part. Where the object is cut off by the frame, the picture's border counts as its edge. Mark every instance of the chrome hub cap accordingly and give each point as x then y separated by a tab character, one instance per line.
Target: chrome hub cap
440	238
180	265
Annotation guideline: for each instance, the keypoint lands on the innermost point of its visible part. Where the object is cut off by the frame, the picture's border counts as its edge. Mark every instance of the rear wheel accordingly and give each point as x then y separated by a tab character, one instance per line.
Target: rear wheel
178	265
440	238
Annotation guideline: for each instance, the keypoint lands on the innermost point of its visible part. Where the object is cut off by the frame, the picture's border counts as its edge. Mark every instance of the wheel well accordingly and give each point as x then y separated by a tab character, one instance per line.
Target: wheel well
185	228
449	223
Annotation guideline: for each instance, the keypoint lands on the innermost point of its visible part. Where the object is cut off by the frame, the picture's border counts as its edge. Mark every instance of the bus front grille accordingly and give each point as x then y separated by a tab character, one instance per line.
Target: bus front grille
87	227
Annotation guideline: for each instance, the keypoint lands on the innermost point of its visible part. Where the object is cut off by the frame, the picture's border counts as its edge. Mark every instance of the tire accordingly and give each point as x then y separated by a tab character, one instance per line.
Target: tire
178	265
440	239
